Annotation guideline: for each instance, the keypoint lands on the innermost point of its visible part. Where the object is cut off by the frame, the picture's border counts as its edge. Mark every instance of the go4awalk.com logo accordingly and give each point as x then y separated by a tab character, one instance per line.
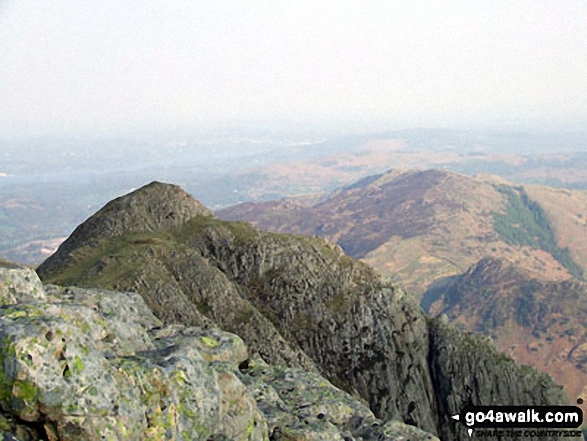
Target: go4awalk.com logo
550	422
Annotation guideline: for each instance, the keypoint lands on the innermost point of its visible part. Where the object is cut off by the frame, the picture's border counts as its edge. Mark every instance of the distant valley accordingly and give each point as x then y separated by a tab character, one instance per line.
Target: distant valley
48	186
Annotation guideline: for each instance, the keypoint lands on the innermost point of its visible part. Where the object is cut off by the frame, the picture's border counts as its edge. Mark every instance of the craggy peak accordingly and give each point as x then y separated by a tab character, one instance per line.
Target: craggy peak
150	208
297	302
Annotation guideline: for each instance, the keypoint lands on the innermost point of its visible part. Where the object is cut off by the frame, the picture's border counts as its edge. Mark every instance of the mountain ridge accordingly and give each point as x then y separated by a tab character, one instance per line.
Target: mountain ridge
487	235
299	301
417	226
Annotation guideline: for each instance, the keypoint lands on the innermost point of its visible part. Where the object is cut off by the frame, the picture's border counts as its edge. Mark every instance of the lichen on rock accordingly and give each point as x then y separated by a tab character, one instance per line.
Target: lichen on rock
21	282
90	364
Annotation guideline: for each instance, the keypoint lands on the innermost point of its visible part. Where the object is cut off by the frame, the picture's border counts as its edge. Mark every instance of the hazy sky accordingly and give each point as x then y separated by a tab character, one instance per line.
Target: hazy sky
70	65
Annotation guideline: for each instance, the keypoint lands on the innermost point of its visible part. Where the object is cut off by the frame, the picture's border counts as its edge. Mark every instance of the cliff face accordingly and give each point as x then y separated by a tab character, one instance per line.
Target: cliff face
536	322
484	375
299	302
88	364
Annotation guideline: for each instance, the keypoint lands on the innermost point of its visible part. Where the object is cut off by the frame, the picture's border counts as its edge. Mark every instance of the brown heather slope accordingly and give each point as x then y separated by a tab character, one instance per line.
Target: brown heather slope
543	324
426	229
414	227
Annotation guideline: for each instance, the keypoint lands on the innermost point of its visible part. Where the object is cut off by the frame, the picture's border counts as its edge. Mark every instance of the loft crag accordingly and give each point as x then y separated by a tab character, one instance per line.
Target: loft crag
297	302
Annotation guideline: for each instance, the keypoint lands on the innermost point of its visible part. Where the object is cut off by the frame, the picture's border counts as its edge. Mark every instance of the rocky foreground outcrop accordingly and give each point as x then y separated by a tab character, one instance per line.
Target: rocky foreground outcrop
298	302
88	364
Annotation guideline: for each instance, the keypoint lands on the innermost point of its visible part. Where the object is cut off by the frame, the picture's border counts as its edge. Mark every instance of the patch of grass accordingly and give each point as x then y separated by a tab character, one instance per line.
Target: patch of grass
25	397
242	231
4	423
7	350
203	308
526	223
303	322
273	273
90	261
243	316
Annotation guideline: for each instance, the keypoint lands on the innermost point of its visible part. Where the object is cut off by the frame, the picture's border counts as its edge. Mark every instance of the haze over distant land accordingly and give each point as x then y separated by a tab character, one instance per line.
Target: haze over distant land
122	67
238	103
49	185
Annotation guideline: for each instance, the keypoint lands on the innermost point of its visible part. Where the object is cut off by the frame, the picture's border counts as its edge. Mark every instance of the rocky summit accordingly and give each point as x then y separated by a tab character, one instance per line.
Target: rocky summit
89	364
301	306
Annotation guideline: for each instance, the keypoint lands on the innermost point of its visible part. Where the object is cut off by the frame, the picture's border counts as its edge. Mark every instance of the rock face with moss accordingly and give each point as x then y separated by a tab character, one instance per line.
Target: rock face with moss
296	301
16	280
88	364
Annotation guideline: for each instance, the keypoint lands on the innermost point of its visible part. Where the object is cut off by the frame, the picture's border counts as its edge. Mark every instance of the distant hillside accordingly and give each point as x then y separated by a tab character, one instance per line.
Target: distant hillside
566	211
419	226
47	186
426	229
540	323
297	301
